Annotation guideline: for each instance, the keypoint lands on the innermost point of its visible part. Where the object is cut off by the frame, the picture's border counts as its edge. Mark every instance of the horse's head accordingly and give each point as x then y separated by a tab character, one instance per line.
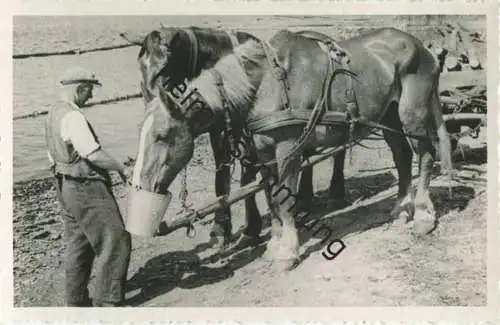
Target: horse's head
166	140
162	59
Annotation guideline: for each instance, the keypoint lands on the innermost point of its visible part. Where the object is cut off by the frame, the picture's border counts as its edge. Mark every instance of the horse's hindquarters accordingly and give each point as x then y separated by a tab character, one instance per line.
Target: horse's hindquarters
145	211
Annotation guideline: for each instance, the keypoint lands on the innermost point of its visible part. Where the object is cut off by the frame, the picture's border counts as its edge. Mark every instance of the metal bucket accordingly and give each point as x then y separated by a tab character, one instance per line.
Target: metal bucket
146	211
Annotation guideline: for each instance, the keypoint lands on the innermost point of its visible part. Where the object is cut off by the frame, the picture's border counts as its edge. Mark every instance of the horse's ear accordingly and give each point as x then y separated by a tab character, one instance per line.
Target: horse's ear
133	39
155	40
243	37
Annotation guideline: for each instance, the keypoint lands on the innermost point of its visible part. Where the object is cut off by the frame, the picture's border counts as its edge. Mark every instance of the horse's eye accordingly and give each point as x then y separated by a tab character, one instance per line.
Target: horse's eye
161	136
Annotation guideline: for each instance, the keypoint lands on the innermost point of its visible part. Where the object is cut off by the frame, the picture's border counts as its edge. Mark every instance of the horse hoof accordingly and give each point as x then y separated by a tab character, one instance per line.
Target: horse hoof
423	223
421	228
403	210
247	241
285	265
401	222
217	242
268	256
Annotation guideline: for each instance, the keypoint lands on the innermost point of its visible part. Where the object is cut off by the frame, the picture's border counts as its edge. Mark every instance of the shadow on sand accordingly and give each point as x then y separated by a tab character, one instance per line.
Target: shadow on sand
186	270
337	224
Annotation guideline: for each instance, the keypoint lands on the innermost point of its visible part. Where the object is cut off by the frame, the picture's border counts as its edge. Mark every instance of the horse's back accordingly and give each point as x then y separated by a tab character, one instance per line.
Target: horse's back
393	47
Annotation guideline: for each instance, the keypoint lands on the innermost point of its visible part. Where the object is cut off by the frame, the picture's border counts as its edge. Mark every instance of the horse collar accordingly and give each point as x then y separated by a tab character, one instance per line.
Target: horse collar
193	53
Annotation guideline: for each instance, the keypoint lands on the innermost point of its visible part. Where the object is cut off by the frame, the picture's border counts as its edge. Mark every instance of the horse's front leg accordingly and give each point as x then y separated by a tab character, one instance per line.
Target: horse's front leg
284	198
222	229
249	171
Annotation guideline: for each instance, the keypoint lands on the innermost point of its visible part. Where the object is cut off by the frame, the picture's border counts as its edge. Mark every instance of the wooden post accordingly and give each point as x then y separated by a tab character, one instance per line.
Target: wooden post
451	62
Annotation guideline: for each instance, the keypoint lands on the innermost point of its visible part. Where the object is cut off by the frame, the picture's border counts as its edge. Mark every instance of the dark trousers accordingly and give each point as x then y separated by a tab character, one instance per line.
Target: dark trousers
94	233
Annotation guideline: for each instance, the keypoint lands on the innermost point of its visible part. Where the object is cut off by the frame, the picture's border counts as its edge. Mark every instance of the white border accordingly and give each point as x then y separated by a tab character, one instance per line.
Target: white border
242	314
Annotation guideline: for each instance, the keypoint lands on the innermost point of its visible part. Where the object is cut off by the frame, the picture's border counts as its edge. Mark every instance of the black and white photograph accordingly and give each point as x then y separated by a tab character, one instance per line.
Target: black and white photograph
252	161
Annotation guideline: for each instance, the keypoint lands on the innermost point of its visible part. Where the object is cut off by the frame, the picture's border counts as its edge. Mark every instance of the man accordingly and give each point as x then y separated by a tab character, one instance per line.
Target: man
94	228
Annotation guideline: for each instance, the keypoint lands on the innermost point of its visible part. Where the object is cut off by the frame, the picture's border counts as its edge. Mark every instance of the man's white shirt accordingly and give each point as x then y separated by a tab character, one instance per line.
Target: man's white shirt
75	130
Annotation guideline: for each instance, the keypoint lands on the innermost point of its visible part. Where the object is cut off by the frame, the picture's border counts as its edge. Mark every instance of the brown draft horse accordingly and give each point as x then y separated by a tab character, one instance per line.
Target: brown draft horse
398	88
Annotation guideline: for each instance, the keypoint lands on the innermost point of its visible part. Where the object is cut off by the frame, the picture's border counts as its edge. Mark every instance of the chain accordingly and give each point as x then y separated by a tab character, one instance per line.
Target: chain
185	207
183	194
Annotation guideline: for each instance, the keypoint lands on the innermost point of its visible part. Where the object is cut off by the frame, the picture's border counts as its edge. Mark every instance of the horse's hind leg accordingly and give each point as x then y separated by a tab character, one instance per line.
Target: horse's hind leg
336	193
416	111
402	156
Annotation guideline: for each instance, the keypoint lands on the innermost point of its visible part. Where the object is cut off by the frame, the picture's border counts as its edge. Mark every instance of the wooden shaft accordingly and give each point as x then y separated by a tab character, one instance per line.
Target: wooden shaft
454	80
213	205
313	160
464	117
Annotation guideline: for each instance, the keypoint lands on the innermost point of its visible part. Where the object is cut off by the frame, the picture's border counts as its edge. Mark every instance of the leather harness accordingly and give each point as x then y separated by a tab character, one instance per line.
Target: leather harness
288	115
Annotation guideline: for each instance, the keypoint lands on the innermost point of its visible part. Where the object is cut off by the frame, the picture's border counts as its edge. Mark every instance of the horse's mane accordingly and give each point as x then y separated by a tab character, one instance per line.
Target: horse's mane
238	88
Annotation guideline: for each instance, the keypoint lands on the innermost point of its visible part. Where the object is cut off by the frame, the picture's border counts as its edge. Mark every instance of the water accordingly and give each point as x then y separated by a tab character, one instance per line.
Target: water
116	125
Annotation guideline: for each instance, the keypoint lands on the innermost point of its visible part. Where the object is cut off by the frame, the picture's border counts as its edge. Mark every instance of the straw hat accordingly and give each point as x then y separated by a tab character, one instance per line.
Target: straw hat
76	75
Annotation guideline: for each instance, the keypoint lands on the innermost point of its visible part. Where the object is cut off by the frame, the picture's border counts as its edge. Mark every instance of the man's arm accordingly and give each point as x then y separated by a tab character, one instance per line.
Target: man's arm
102	159
87	147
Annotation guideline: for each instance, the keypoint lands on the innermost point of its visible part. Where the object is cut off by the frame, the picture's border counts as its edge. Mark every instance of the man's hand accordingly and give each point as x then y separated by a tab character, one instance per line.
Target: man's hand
123	176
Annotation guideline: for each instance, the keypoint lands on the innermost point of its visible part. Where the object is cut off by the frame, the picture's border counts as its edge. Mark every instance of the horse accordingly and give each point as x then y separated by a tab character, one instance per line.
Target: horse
396	88
170	55
167	57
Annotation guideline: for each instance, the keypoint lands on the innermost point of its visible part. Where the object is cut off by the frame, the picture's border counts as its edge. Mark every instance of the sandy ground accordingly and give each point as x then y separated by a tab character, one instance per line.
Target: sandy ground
382	264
